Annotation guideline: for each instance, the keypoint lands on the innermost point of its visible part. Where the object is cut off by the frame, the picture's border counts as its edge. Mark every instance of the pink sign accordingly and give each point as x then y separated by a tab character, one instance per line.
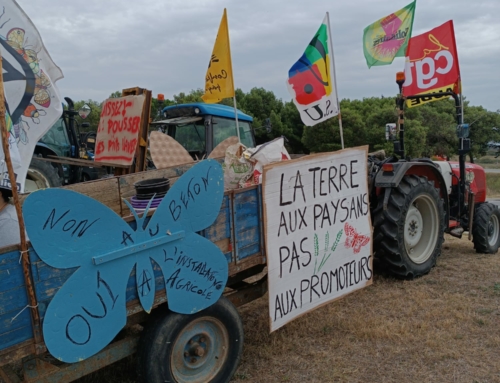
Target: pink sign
118	130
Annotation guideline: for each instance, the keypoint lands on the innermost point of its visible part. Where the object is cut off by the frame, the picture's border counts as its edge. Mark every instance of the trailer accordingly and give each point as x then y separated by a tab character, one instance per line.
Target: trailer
237	231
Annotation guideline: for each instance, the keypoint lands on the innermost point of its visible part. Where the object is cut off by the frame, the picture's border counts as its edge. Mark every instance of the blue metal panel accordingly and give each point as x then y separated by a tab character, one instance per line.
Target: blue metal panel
13	299
15	336
247	223
221	228
212	109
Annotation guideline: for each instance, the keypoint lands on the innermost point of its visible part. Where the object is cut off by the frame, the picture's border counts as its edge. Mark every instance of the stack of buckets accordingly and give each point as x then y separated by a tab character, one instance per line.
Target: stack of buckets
146	190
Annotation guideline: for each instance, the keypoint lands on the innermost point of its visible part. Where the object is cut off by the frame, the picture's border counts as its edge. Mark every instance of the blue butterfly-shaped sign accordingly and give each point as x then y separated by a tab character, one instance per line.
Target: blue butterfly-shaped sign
68	229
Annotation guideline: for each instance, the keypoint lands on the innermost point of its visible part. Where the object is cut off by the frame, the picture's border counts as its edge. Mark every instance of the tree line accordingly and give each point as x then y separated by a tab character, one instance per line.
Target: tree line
430	129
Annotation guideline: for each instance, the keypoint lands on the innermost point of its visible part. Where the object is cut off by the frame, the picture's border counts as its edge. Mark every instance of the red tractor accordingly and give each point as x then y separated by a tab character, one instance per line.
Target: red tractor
415	201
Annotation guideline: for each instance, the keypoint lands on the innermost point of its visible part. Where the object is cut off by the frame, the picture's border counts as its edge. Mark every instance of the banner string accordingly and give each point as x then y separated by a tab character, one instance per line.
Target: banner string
19	313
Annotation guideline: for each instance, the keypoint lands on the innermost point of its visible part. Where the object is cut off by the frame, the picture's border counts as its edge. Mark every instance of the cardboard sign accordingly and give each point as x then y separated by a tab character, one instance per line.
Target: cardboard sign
118	131
318	231
432	64
68	229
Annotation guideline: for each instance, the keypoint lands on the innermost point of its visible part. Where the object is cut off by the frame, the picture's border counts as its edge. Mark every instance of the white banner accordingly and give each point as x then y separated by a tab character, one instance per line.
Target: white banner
318	231
33	103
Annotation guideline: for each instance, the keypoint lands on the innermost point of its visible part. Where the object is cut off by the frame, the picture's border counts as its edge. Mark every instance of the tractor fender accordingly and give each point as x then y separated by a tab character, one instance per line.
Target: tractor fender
425	168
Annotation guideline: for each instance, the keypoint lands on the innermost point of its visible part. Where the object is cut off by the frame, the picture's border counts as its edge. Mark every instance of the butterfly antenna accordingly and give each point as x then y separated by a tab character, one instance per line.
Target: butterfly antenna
132	210
145	214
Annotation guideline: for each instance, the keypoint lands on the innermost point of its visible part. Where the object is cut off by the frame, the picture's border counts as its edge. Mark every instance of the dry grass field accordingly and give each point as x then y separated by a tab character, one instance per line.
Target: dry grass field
443	327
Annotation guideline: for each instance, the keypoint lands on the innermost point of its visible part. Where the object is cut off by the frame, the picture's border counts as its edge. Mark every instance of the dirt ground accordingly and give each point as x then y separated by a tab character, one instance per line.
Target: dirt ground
443	327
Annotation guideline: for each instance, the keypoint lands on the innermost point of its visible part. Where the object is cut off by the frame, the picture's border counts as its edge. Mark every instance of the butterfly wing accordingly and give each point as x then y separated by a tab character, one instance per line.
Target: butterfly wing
193	202
350	234
87	313
360	241
68	229
145	280
191	205
195	273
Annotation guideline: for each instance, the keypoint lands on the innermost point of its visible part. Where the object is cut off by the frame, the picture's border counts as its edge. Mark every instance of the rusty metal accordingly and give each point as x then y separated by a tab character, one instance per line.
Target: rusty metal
247	273
7	375
35	316
250	292
17	352
39	370
255	259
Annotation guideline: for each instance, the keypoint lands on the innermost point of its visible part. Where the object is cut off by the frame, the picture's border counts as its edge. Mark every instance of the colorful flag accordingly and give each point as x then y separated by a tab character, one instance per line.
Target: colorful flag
219	78
432	65
311	80
32	99
388	37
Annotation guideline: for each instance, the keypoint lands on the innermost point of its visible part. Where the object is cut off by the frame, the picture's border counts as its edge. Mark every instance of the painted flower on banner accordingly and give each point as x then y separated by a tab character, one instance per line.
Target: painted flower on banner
310	75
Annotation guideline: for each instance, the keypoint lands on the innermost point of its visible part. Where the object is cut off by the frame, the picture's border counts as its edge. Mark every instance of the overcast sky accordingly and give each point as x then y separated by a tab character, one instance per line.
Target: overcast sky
105	46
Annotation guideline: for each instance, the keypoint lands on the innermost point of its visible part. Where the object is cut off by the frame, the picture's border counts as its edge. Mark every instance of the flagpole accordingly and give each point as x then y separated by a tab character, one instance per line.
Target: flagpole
236	117
335	79
232	79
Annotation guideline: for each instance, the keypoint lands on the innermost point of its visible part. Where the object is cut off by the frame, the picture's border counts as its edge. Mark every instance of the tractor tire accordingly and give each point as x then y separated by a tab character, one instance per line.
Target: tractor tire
408	235
41	175
486	228
205	347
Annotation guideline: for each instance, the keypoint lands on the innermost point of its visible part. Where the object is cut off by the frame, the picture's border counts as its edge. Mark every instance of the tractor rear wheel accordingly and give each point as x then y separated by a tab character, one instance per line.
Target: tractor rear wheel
41	175
408	235
486	228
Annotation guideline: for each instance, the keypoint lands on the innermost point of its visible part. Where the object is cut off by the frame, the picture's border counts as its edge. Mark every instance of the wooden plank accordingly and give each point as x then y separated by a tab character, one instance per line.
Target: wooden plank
248	251
8	375
106	191
248	237
78	162
17	352
255	259
15	336
13	299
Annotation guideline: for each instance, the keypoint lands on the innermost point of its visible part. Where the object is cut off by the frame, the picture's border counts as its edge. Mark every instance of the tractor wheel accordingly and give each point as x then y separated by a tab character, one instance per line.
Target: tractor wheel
41	175
408	235
486	228
199	348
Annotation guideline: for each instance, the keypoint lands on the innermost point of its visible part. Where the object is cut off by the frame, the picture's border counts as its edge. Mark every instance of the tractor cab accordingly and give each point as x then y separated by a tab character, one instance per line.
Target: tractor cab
200	127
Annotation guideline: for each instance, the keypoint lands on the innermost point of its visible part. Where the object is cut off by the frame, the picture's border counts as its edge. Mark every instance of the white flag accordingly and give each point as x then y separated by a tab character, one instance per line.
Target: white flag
33	103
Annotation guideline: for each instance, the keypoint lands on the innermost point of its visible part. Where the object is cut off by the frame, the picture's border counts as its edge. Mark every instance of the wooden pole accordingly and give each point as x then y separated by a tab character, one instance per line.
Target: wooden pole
35	315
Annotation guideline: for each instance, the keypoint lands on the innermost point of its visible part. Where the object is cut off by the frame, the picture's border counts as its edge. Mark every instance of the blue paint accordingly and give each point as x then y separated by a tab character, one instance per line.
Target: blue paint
68	230
218	110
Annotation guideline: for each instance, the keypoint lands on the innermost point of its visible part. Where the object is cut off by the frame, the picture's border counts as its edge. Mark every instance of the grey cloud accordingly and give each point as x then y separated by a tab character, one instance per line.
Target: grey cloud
165	45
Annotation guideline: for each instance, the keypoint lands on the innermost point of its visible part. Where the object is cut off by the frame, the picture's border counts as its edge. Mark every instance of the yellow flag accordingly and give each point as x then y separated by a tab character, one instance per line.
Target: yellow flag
219	79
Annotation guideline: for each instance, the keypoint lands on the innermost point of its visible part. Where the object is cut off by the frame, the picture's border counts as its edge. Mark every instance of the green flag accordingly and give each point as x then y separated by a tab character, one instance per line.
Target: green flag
388	37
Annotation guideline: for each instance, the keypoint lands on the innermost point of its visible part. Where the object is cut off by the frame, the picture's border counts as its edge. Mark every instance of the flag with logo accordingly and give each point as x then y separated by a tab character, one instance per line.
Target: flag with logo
219	78
32	99
388	37
311	80
432	65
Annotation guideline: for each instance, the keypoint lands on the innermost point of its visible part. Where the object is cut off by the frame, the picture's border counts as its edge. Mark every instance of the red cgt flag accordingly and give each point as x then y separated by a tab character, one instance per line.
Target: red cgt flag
432	65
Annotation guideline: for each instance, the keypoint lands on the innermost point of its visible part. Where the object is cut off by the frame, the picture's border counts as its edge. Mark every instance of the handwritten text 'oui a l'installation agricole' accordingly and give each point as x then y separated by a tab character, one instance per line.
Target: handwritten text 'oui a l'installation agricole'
318	231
